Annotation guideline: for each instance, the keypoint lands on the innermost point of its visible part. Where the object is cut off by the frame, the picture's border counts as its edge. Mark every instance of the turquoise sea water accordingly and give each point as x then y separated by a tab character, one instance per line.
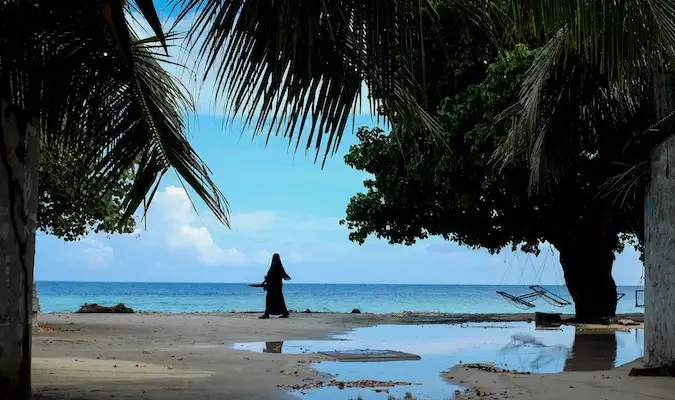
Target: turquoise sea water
206	297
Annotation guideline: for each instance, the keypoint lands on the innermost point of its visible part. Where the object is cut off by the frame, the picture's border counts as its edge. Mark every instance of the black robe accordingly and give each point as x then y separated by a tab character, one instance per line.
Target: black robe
275	303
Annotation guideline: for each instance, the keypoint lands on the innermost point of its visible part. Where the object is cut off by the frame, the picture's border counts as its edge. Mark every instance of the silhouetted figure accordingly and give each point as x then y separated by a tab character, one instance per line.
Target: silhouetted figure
273	284
592	351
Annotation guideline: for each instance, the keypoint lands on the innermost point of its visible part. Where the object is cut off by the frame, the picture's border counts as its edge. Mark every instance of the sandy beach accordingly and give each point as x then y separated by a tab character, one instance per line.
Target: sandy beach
179	356
614	384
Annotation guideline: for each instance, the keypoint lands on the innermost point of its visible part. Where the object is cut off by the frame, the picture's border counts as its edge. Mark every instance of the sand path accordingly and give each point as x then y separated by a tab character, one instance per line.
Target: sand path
171	356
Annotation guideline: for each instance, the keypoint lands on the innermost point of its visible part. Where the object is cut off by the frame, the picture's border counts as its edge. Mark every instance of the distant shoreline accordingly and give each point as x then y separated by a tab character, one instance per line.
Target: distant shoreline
374	298
396	318
328	283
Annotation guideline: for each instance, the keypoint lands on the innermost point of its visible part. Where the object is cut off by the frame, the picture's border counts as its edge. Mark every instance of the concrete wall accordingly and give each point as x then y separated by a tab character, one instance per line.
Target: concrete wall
660	257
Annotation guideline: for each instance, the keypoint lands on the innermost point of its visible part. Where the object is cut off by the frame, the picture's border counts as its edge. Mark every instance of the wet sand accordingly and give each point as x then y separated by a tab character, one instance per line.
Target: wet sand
158	356
614	384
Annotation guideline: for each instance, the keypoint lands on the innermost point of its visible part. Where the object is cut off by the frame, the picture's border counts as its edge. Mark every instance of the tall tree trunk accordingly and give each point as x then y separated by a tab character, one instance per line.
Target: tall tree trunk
659	257
587	257
659	254
587	266
19	165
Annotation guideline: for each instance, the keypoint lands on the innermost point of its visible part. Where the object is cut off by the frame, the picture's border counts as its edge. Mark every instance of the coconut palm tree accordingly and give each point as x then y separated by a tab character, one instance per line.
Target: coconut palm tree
76	76
633	43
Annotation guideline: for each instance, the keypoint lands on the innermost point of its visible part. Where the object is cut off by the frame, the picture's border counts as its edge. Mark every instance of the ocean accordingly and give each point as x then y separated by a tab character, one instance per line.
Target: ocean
226	297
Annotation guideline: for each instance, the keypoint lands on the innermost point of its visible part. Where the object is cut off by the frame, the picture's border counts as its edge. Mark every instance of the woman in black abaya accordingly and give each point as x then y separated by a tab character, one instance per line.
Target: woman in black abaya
273	284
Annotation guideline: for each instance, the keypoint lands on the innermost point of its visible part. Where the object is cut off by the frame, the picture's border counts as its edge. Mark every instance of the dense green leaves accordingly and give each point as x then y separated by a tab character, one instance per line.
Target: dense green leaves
421	189
66	212
626	41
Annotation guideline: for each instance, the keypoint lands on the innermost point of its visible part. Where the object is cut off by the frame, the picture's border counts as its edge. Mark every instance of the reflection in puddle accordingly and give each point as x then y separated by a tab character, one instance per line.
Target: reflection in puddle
592	352
515	346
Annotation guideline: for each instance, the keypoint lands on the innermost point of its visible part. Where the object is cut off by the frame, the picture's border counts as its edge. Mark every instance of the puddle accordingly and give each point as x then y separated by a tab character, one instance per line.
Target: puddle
512	346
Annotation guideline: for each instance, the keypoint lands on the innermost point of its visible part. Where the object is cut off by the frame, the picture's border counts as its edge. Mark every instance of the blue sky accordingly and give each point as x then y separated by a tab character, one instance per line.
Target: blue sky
280	202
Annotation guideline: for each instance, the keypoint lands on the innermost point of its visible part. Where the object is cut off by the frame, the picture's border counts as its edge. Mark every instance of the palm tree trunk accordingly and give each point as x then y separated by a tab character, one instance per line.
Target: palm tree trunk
19	165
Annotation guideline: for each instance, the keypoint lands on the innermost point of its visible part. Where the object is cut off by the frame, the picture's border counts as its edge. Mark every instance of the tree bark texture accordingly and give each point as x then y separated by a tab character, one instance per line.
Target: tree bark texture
587	257
588	276
659	257
19	166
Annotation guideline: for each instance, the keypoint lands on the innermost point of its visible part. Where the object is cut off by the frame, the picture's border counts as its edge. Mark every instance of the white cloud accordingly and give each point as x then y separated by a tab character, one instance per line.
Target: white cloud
259	234
94	253
183	231
263	257
296	257
268	221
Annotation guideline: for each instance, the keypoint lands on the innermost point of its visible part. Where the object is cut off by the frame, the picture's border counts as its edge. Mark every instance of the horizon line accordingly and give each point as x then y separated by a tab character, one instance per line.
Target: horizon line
321	283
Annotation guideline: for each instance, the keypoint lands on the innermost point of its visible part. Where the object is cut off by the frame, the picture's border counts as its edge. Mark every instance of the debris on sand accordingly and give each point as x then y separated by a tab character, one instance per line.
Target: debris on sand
49	328
483	367
95	308
493	369
627	322
366	383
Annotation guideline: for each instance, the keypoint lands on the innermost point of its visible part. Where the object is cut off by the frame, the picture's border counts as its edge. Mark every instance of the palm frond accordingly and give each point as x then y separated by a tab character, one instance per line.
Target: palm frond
620	37
621	42
297	67
96	95
566	105
528	136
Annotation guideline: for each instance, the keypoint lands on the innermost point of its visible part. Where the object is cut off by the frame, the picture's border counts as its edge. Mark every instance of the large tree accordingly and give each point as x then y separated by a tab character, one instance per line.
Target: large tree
633	42
421	188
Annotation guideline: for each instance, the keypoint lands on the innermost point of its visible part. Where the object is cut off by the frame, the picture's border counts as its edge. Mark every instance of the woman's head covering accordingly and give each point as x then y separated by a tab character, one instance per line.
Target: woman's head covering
277	270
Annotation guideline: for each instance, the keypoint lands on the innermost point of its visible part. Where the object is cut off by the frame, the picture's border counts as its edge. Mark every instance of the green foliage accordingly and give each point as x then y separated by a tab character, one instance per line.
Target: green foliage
422	188
629	42
65	210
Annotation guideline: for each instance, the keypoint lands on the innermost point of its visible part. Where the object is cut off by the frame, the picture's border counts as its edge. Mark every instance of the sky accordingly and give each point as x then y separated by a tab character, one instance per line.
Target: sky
280	201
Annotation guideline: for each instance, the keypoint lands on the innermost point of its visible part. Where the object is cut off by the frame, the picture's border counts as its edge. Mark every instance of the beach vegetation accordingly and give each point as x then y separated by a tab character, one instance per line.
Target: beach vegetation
612	63
65	210
631	42
462	191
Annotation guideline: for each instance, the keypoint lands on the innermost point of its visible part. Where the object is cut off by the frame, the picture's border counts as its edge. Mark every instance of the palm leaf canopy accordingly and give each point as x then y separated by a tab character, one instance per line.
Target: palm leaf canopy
626	41
297	67
79	72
